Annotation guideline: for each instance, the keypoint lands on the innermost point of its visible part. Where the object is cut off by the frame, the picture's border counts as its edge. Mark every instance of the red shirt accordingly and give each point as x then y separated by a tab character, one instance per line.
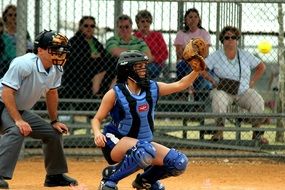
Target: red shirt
156	44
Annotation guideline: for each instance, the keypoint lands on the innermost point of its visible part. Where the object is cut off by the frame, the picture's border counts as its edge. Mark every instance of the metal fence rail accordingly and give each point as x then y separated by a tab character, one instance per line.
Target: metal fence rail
183	120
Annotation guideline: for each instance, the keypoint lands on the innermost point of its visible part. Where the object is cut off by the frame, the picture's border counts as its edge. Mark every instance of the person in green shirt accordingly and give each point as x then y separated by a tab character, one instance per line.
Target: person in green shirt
123	40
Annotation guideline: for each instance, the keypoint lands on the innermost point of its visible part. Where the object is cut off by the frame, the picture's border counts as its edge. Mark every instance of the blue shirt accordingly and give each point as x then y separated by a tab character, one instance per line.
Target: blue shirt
29	78
223	68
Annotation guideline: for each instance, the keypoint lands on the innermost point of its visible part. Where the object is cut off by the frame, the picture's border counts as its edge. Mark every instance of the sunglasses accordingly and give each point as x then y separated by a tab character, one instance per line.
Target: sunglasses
87	25
145	21
124	27
11	14
231	37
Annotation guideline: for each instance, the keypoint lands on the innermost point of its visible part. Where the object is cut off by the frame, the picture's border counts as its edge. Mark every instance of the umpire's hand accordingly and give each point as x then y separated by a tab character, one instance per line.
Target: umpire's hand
24	127
61	127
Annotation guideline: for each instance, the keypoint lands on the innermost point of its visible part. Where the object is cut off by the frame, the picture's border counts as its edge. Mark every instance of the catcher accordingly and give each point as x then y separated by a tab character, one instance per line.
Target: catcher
127	141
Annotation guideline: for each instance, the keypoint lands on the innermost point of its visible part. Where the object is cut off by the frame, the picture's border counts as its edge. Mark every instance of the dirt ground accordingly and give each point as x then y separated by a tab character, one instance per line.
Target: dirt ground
202	174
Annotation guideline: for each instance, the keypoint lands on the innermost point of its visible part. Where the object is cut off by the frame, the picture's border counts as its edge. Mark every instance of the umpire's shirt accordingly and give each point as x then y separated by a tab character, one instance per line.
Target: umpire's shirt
31	81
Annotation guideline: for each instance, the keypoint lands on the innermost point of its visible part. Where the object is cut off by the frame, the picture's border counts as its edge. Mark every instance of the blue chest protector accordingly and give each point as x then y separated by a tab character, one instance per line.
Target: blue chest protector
133	115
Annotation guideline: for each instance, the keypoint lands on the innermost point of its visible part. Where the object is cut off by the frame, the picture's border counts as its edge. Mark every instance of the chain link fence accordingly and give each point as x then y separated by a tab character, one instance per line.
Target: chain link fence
186	120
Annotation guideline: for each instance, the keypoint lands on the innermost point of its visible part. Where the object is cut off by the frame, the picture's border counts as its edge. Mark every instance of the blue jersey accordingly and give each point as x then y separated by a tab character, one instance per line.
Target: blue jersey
133	115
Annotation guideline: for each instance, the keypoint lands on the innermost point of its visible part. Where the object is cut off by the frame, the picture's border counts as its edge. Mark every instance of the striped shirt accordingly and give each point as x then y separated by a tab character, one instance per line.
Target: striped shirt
133	44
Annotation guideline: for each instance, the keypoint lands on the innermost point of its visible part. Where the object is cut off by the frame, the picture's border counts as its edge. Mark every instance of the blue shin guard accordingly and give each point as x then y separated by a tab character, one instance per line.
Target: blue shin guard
175	164
139	157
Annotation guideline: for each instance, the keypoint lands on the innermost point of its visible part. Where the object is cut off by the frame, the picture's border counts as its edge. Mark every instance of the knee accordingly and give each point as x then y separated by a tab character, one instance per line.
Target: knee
14	133
52	137
144	153
219	101
257	106
175	162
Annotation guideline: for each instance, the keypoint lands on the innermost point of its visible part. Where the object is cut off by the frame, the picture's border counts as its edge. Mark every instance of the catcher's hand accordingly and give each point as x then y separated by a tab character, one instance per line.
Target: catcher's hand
195	52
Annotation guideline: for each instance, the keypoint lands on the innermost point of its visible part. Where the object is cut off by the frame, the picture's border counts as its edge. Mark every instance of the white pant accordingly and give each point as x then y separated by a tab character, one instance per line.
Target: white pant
251	100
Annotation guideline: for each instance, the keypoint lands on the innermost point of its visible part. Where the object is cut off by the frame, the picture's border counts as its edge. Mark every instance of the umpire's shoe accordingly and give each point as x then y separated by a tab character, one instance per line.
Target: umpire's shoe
59	180
141	184
3	183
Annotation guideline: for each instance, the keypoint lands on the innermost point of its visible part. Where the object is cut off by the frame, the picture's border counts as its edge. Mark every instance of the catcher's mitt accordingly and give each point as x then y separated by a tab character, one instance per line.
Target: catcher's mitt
195	52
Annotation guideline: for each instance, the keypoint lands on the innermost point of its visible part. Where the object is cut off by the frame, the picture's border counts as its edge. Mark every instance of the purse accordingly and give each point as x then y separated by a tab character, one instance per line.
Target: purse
229	85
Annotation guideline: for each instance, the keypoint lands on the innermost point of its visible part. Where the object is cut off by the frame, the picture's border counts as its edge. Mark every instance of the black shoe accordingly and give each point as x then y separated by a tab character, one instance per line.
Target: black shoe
3	183
141	184
59	180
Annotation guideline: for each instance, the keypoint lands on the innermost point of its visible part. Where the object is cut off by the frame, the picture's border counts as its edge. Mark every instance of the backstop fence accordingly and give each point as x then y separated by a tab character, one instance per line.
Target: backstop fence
184	120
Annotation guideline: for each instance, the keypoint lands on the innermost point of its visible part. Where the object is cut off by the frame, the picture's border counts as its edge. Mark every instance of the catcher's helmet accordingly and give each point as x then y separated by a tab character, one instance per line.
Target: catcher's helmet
125	67
56	43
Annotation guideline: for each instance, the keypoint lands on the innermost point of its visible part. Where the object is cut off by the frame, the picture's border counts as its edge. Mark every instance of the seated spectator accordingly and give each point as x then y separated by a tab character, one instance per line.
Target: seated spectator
9	16
232	67
123	41
87	64
192	29
155	42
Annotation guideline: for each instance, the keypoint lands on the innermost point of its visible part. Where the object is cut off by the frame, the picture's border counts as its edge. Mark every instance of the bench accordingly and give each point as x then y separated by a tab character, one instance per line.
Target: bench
88	107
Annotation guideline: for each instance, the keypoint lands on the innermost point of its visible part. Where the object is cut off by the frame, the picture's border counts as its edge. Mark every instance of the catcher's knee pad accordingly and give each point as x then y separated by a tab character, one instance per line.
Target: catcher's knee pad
143	153
138	157
175	162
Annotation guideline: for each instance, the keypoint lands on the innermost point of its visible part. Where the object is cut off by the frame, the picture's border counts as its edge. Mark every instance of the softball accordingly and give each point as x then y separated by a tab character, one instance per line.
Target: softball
264	46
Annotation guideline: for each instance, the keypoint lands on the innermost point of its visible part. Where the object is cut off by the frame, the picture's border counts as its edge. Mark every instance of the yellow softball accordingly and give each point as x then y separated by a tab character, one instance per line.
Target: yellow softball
264	46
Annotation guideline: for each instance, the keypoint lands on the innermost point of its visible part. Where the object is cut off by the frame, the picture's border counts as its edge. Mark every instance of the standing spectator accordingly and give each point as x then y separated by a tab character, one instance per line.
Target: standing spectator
87	64
27	79
233	68
3	64
192	29
127	140
123	41
155	42
9	16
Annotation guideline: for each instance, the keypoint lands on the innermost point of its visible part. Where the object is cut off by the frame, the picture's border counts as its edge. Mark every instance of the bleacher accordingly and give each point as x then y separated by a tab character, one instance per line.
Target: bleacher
175	123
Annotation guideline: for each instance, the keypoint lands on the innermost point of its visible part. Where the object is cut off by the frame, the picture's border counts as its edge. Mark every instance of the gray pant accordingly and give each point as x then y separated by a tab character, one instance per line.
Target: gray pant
11	142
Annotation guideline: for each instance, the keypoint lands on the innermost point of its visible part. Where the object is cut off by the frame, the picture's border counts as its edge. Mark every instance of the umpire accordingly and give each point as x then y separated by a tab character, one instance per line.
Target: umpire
28	78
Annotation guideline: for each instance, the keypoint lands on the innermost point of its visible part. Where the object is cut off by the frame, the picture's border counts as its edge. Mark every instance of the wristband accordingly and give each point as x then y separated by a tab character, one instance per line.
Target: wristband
54	121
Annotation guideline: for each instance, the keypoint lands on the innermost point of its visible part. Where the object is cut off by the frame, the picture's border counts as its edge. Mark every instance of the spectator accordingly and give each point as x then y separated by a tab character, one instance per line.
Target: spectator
155	42
127	141
192	29
3	64
9	16
123	41
87	64
233	66
28	78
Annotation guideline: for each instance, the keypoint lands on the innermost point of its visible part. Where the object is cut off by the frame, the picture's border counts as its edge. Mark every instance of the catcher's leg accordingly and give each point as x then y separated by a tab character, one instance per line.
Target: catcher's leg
140	156
175	164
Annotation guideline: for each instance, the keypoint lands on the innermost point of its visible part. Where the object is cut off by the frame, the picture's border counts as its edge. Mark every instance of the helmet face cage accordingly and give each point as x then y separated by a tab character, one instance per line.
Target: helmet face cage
126	66
56	44
135	70
59	49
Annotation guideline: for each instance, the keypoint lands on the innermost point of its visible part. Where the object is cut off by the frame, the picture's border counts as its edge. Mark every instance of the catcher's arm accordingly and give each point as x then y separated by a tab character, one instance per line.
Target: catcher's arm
182	84
106	105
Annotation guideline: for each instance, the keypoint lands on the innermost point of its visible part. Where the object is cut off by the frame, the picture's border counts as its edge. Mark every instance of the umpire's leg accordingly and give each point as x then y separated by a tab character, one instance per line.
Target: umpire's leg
55	162
10	145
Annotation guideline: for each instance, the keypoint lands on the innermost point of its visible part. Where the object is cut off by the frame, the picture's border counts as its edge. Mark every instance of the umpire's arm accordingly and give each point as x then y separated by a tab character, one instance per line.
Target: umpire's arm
52	103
